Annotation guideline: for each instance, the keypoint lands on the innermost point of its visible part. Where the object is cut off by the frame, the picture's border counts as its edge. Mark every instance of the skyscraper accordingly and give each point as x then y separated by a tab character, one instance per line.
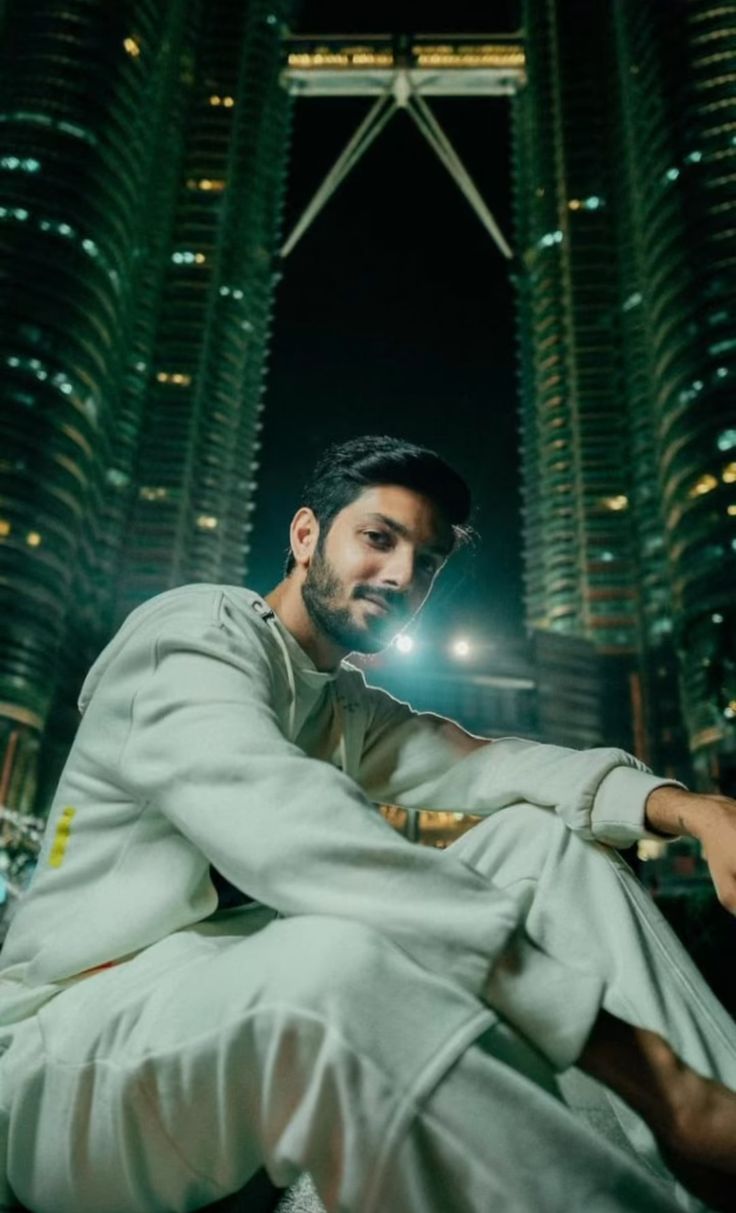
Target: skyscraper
142	153
688	290
626	196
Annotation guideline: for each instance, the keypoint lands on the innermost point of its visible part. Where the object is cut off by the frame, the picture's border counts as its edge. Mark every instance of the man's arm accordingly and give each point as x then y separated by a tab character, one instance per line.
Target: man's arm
205	748
424	761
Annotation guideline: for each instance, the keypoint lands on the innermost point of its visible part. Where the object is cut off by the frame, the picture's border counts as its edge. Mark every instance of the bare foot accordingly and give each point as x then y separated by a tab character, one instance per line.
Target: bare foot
692	1117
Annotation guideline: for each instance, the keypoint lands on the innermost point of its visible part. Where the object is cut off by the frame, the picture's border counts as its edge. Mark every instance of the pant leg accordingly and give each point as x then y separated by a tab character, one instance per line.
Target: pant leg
162	1084
489	1140
585	906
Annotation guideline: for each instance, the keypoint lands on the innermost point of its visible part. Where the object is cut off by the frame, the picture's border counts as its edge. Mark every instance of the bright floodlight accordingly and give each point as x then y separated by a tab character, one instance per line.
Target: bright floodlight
404	644
461	648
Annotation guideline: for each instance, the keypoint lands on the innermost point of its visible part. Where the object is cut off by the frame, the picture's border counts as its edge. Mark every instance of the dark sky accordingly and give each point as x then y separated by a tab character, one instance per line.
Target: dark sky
395	315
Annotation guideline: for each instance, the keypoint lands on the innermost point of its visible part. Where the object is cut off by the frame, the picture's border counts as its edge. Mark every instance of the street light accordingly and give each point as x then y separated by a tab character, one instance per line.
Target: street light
461	648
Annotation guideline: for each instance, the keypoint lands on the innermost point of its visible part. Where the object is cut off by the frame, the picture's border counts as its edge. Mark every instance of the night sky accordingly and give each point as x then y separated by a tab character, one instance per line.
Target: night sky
396	315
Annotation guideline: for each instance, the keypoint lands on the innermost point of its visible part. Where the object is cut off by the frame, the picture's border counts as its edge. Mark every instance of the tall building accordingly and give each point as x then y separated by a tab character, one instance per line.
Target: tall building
142	155
579	572
198	450
688	289
626	205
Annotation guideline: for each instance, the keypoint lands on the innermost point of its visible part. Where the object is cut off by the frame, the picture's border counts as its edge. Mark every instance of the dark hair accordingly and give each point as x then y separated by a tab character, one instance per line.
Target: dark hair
345	469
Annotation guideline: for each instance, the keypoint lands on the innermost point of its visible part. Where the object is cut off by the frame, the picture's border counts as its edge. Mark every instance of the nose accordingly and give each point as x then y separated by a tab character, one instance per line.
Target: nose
398	570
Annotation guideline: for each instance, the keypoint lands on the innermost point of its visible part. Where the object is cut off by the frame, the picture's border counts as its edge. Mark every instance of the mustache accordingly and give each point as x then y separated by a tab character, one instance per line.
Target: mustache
390	600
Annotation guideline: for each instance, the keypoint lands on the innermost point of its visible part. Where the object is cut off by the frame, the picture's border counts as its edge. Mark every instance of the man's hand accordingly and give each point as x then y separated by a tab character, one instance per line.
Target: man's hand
709	818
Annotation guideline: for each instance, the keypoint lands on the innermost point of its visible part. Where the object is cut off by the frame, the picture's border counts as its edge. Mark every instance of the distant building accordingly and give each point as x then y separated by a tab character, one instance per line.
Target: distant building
626	205
548	690
142	165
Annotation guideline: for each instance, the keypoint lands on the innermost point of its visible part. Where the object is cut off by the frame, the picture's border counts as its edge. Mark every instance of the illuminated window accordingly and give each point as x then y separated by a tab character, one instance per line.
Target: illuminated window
176	377
207	522
729	473
549	239
693	157
619	502
148	492
132	47
672	174
5	527
33	539
704	484
574	204
214	184
118	479
633	301
215	100
228	102
722	347
20	164
187	257
731	509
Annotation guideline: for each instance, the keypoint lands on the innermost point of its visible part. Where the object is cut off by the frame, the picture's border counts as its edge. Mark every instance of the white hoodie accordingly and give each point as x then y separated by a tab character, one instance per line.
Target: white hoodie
204	725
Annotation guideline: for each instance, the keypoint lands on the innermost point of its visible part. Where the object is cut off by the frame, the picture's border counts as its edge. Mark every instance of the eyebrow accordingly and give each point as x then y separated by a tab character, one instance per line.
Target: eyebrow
399	529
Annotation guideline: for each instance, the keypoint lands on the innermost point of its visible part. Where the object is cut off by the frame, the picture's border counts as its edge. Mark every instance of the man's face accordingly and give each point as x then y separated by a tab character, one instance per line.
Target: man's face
386	547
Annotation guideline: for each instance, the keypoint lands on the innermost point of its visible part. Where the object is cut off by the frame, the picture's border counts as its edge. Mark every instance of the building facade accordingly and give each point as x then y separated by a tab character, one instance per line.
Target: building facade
626	205
142	158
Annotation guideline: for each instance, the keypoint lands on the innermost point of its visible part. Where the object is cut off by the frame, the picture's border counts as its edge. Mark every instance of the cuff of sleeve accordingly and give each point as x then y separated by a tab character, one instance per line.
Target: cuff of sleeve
552	1005
618	815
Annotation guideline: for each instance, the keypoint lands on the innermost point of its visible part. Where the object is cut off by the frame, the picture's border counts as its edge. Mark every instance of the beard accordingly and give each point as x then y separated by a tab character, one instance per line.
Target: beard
322	590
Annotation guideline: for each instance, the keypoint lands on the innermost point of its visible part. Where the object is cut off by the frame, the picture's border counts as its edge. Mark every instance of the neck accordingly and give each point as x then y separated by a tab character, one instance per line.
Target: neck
286	600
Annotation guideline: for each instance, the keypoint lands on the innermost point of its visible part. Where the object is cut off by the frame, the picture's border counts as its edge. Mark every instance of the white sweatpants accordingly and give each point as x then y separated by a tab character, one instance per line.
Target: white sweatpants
162	1084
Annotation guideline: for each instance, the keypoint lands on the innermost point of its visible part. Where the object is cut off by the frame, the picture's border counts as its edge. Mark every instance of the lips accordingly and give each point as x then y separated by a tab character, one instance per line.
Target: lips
377	602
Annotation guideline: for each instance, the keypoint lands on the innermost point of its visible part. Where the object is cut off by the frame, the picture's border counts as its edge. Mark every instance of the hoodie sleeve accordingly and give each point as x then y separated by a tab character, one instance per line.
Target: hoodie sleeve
421	761
206	749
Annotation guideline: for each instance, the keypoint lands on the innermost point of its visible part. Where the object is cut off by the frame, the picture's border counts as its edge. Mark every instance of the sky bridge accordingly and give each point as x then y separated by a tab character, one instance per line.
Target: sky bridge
400	71
434	65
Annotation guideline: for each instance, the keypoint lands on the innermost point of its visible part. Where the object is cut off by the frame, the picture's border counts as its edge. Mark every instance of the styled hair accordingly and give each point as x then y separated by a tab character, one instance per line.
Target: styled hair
346	469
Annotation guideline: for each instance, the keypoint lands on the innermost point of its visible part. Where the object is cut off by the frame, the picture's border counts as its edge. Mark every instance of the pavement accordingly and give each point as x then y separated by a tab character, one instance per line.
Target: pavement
301	1198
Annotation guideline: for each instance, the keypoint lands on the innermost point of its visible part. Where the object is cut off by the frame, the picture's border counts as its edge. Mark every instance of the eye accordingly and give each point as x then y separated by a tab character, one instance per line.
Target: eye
376	536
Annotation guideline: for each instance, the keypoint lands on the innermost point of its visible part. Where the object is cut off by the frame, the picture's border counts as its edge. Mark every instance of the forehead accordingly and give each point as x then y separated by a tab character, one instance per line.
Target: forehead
406	512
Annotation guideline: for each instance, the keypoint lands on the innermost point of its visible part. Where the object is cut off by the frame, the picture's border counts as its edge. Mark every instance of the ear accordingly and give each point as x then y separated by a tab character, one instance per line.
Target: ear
304	534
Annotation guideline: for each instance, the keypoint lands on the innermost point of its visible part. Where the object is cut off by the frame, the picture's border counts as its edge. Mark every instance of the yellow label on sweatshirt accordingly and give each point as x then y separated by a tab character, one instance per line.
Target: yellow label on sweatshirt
61	838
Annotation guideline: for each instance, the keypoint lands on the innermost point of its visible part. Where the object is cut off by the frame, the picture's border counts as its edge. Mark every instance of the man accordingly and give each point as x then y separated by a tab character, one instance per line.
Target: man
400	1022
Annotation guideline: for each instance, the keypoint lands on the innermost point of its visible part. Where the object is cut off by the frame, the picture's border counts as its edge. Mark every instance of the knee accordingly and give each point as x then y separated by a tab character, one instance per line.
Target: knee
321	959
522	834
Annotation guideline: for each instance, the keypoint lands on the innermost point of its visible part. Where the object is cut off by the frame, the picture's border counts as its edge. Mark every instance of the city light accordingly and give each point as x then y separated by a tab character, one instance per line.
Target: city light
404	644
460	648
704	484
132	47
619	502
